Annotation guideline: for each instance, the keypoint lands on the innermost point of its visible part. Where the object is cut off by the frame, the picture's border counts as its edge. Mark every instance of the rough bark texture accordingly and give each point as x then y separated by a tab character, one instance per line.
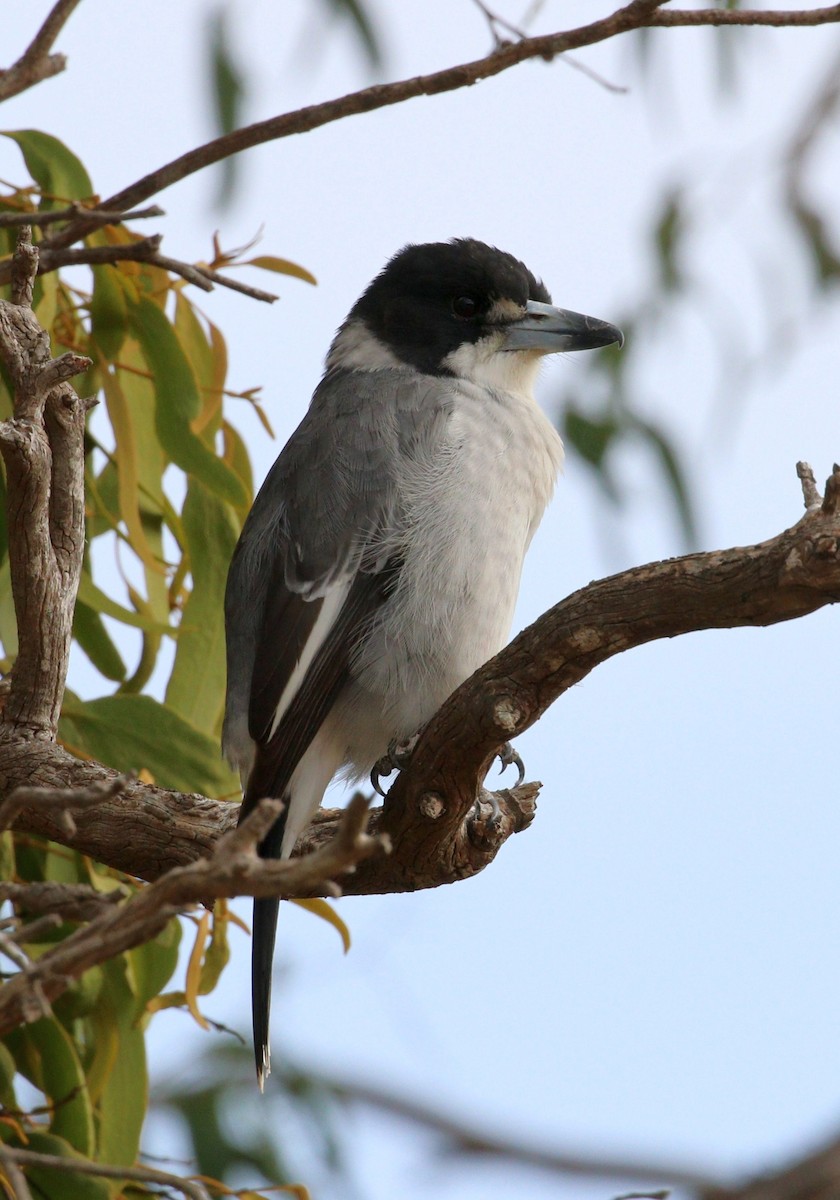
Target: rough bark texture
442	824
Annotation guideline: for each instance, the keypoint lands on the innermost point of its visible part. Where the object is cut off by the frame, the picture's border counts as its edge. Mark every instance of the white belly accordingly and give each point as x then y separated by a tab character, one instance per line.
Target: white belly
470	512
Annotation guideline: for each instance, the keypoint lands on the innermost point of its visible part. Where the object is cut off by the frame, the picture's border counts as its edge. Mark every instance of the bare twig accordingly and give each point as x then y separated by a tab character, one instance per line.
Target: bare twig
14	1175
192	1188
146	250
465	1138
639	14
234	869
76	209
36	63
810	491
776	18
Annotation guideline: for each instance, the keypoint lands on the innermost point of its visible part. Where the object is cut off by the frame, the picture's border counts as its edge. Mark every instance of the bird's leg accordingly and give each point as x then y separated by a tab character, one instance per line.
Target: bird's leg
396	758
508	757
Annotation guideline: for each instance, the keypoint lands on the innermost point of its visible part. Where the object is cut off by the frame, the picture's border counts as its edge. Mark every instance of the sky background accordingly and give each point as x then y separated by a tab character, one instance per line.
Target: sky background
652	969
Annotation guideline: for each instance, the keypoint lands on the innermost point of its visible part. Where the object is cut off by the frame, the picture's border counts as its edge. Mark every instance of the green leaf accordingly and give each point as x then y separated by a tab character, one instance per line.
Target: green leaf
93	596
130	732
126	460
8	620
58	173
108	311
177	403
362	26
228	91
674	475
591	437
49	1184
8	1070
197	685
90	632
153	964
45	1054
124	1099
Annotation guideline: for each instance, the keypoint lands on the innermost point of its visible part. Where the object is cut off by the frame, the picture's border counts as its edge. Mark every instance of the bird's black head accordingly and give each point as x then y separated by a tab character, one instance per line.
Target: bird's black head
430	299
459	308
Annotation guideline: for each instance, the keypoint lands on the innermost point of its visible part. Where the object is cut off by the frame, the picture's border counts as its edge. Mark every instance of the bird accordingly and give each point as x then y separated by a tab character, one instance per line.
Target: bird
380	563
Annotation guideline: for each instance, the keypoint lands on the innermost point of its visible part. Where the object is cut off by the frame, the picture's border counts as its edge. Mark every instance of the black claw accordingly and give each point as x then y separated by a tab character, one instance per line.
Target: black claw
396	757
508	757
383	766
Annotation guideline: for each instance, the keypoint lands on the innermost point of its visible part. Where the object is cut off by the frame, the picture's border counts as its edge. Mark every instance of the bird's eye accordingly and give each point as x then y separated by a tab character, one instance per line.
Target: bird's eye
465	306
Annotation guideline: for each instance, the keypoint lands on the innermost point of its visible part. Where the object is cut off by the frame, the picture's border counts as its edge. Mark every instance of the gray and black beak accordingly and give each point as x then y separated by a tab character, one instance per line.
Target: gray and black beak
549	330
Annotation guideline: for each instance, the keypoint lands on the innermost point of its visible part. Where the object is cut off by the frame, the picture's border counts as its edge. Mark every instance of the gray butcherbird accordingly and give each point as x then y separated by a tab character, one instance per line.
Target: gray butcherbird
380	564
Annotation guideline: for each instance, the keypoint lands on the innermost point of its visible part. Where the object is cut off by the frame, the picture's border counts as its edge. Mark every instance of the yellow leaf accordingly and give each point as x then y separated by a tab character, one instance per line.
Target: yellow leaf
281	266
194	970
326	912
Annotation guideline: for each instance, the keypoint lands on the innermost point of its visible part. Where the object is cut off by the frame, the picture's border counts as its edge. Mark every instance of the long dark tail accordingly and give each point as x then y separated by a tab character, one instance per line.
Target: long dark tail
262	953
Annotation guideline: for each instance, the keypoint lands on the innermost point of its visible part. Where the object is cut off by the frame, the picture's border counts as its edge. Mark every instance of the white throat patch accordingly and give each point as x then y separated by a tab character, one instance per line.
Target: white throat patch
485	364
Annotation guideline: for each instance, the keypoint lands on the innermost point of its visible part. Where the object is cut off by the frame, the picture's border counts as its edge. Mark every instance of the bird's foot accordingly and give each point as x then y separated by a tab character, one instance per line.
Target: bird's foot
397	757
508	757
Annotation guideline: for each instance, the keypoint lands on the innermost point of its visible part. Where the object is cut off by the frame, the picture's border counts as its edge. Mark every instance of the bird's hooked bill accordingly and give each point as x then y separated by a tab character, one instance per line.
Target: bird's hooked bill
551	330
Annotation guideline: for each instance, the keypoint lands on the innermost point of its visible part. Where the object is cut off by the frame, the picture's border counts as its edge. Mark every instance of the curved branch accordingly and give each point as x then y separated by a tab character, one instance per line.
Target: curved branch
639	14
441	823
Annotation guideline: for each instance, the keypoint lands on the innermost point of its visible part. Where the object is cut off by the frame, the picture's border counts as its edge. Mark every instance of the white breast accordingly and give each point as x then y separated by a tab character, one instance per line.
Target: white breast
470	509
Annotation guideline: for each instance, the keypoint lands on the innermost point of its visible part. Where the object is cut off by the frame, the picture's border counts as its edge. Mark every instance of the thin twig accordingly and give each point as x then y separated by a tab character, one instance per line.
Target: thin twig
234	869
72	211
36	63
639	14
80	1166
462	1137
810	491
775	18
146	250
14	1175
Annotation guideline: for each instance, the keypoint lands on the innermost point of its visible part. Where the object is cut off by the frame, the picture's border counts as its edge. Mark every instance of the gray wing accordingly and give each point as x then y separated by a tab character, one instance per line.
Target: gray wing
317	557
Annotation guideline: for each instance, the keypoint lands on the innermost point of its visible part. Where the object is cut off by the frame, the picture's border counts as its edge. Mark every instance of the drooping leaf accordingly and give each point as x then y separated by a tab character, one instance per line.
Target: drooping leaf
197	685
108	310
58	172
92	636
126	461
320	908
227	85
45	1054
282	266
93	596
131	732
50	1184
177	403
674	474
122	1105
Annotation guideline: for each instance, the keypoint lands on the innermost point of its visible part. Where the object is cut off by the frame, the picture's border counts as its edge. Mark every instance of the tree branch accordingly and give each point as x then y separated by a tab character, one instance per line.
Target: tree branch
146	250
459	1137
192	1188
42	446
639	14
233	869
98	215
442	824
36	63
